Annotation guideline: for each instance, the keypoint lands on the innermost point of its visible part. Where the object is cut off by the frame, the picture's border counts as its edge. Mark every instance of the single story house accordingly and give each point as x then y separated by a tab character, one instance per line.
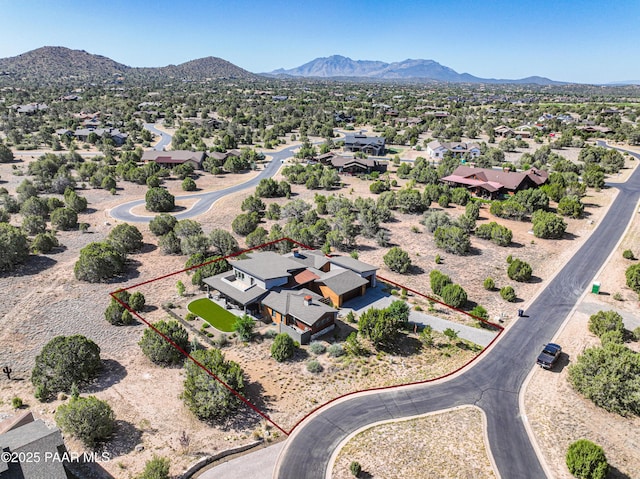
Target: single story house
354	166
24	436
507	132
82	134
437	149
297	290
169	159
487	182
371	145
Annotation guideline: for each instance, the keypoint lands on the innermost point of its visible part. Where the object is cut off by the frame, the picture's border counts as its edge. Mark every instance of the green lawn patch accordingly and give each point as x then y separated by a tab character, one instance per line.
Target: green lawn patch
215	315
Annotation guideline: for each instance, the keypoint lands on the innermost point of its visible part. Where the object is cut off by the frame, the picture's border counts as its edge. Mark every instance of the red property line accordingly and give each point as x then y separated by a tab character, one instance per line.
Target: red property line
114	294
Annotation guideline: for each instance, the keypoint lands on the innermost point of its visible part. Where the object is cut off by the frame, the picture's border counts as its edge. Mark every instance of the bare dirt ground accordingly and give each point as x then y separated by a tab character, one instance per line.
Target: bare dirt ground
43	300
431	446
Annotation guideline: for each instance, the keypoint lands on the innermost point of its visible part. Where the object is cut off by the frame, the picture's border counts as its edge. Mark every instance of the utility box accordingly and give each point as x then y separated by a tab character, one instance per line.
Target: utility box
595	287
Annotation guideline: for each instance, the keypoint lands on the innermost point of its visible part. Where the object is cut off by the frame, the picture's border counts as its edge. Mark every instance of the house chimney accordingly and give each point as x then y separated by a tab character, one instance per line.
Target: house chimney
307	300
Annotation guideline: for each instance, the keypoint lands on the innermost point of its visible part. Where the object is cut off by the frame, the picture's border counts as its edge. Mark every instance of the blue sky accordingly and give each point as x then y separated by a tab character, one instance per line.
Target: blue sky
583	41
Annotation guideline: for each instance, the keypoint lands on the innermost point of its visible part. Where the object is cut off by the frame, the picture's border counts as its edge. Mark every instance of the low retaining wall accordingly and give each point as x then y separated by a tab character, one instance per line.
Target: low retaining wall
206	460
190	326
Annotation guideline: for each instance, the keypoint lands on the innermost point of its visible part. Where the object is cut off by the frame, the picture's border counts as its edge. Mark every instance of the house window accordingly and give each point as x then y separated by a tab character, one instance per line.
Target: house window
273	313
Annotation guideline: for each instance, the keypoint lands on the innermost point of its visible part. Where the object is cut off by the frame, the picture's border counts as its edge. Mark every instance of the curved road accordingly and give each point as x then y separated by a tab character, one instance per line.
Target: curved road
493	383
205	200
165	138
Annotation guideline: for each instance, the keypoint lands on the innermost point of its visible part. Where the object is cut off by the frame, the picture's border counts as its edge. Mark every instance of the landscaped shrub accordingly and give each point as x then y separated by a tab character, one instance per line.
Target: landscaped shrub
570	206
156	468
245	223
434	219
500	235
313	366
608	376
127	238
63	361
98	262
161	224
547	225
244	326
355	468
397	260
282	347
489	284
519	271
633	277
335	350
587	460
628	254
452	239
207	398
604	321
508	294
317	347
115	312
454	295
480	312
158	349
438	281
89	419
160	200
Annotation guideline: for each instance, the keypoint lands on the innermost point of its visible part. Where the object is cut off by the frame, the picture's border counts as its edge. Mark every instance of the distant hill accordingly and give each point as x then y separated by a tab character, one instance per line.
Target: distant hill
339	66
209	67
60	63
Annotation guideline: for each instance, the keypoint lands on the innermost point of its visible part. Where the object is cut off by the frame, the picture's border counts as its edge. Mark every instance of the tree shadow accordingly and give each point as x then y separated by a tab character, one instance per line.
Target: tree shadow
58	249
615	473
415	270
112	373
515	245
124	440
569	236
473	251
404	346
534	279
89	210
147	248
32	266
81	468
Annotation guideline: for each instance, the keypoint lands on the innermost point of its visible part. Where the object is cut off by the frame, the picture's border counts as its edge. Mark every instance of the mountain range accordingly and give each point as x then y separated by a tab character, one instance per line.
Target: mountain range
60	63
339	66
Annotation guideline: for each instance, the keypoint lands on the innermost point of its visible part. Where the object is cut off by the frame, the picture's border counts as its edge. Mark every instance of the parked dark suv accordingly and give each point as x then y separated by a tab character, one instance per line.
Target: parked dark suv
549	356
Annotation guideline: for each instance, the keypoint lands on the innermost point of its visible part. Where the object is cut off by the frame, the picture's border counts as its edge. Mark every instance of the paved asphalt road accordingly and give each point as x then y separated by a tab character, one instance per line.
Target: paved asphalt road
492	383
205	200
165	138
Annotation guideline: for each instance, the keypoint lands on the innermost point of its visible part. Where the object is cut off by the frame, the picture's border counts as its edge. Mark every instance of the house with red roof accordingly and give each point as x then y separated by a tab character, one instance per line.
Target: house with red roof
490	183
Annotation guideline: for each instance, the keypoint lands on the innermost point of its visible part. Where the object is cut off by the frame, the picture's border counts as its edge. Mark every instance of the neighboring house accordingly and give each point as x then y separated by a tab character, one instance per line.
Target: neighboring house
595	129
82	134
25	437
169	159
371	145
223	156
297	291
507	132
437	149
487	182
30	109
354	166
